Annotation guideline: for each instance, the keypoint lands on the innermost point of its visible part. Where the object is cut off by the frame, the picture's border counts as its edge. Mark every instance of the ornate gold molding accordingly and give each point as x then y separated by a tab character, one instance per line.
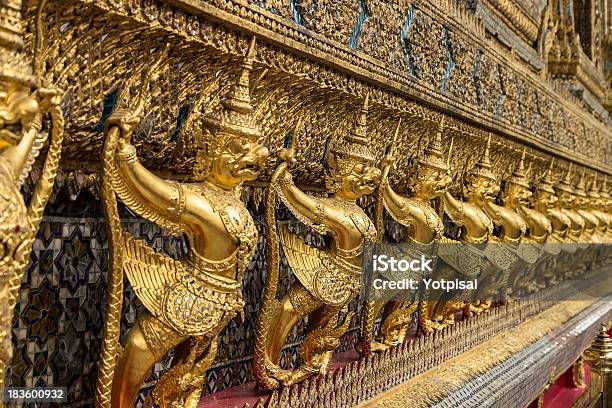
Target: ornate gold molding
317	60
513	14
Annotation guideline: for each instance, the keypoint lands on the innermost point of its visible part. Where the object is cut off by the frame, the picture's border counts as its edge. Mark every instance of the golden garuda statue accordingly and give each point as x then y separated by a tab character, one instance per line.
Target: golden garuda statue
326	279
532	225
22	118
579	237
545	202
479	186
512	225
566	200
596	205
189	300
581	205
506	256
427	180
480	183
517	197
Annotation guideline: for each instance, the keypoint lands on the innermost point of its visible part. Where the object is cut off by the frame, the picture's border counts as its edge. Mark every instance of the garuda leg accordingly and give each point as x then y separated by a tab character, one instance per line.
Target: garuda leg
148	342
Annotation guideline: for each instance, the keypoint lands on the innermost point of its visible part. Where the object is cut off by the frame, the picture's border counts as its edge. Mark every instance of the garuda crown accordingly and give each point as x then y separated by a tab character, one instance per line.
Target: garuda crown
519	175
483	167
355	146
432	156
235	116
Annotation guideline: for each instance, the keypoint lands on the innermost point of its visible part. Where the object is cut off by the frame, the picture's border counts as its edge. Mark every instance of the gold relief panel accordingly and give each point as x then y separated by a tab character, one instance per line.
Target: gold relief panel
202	53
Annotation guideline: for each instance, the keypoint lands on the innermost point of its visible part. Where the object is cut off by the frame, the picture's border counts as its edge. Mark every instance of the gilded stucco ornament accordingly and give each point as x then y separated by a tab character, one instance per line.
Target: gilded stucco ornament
189	300
23	114
326	279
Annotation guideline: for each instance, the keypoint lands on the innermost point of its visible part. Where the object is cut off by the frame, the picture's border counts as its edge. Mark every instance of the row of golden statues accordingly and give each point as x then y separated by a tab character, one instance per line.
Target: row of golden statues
188	301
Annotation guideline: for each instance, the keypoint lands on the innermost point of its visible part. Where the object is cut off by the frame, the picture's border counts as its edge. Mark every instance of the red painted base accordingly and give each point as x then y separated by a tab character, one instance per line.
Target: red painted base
249	394
563	394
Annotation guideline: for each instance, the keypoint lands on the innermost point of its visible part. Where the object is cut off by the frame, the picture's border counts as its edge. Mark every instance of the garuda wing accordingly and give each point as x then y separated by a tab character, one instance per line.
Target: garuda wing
317	271
149	272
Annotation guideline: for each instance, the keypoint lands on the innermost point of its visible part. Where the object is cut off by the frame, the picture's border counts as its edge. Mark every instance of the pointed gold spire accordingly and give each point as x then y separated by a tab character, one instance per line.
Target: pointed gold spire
486	158
235	117
360	132
566	183
547	181
593	189
483	167
599	354
450	152
519	176
356	144
239	97
397	129
433	156
580	189
603	190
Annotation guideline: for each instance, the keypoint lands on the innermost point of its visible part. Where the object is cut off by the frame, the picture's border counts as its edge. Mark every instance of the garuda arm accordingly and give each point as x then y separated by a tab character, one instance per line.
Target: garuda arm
453	208
158	200
308	210
397	206
413	213
21	157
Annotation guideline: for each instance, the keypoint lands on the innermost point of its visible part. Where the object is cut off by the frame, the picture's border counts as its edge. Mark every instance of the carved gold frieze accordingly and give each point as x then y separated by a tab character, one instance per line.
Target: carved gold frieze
523	108
433	386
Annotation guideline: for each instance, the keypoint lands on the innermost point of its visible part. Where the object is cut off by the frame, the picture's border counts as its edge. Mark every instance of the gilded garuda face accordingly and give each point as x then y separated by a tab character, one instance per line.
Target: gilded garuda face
354	178
517	195
238	160
429	183
546	199
17	110
602	203
566	199
481	188
581	201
